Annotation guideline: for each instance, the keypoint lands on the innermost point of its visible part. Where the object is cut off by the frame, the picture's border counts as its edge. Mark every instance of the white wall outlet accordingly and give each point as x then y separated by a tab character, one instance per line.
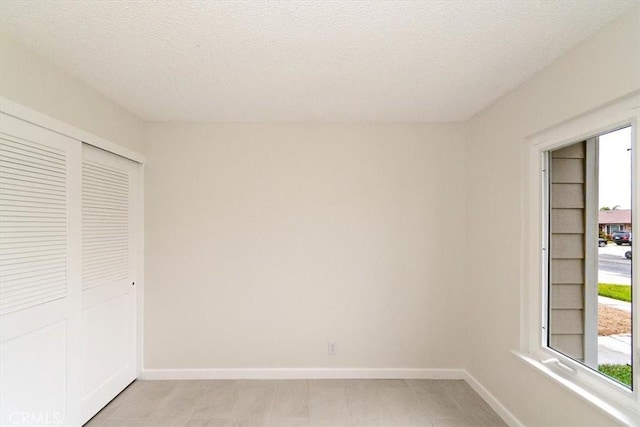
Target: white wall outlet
332	348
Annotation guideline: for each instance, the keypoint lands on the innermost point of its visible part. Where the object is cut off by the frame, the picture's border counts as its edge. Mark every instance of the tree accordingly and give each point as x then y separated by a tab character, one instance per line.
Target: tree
607	208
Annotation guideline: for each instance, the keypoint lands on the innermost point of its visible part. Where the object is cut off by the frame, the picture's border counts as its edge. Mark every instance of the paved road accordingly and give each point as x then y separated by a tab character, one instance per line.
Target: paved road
614	264
613	267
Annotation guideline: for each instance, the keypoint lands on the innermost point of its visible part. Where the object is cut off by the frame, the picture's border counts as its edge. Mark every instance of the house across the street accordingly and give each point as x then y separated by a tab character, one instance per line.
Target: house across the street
615	220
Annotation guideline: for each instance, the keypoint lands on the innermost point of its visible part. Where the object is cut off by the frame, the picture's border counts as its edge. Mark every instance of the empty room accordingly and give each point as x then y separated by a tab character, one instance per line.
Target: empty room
319	213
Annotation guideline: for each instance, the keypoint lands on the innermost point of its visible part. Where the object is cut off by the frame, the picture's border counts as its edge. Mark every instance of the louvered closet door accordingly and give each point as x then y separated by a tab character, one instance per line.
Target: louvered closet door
108	276
39	275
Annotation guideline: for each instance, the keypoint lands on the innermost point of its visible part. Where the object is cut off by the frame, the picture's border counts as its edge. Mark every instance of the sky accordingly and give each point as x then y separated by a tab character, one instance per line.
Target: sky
615	169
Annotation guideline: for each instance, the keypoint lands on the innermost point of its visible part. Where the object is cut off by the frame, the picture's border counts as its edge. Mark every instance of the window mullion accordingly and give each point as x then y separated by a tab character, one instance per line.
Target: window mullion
591	255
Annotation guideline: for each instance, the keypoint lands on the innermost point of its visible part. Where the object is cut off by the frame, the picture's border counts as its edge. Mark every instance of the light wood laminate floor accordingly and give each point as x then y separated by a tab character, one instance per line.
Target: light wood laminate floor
287	403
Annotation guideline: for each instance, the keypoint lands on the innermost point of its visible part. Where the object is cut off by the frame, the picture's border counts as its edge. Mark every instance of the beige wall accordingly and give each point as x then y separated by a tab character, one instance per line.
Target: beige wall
36	83
601	69
264	242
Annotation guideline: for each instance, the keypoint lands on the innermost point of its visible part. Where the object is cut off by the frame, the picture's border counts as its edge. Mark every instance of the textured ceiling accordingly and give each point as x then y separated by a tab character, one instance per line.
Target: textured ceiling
304	60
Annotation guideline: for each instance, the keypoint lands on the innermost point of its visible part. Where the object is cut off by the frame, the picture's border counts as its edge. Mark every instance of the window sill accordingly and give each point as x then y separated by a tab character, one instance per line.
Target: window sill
622	414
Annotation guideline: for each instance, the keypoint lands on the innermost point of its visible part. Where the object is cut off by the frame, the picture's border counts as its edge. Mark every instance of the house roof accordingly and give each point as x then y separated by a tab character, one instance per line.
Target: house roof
619	216
300	61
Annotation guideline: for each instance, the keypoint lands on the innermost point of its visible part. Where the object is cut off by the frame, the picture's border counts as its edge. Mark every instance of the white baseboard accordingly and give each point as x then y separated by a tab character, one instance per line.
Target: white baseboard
491	400
301	373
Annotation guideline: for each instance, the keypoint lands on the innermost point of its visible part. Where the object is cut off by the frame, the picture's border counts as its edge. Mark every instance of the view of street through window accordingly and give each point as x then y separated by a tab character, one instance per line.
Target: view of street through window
614	256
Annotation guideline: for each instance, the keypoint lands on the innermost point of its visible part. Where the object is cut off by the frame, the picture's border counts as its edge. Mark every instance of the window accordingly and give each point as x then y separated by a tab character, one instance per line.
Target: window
577	172
581	179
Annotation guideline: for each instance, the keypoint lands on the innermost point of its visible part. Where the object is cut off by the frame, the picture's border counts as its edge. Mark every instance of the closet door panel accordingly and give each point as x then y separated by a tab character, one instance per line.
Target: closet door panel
108	276
39	275
33	377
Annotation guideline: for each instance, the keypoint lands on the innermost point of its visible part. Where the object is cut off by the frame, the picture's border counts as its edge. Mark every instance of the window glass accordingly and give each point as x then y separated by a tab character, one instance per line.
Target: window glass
589	240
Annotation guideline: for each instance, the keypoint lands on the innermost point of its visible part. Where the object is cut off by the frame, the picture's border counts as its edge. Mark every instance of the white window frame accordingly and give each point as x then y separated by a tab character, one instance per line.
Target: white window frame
612	398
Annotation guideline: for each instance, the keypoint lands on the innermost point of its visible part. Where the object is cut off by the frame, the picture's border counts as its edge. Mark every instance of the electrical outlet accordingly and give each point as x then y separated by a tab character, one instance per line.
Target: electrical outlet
333	350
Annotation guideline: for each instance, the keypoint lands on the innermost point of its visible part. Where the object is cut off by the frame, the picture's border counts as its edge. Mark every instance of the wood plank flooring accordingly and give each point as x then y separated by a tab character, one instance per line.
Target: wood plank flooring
288	403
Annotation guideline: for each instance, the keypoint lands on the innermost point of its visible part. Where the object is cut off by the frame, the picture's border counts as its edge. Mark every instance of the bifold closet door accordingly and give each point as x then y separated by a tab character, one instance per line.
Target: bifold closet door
109	237
39	275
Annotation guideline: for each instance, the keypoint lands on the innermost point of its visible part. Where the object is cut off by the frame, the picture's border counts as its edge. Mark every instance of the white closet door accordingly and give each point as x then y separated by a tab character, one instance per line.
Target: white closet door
108	277
39	275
